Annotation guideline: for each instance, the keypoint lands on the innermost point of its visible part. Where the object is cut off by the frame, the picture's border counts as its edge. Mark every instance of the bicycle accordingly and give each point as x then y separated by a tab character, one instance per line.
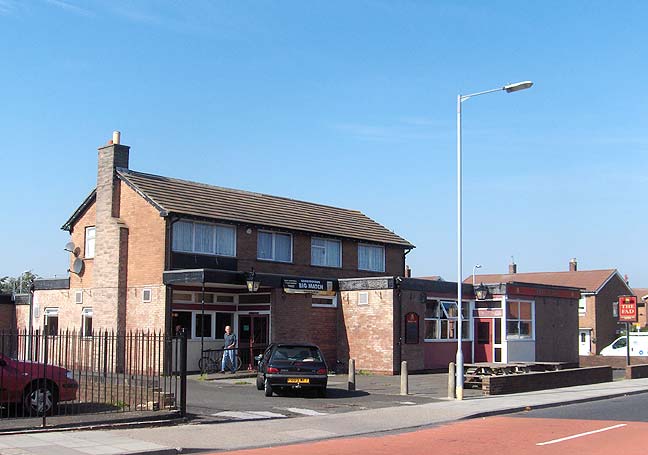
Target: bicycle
212	360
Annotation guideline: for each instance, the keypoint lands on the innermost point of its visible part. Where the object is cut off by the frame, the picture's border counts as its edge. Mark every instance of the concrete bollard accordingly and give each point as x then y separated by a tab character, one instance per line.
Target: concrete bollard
404	379
452	379
351	383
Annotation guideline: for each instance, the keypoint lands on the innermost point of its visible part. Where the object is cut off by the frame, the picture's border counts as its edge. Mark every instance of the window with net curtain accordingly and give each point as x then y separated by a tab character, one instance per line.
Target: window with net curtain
371	258
274	246
204	238
326	252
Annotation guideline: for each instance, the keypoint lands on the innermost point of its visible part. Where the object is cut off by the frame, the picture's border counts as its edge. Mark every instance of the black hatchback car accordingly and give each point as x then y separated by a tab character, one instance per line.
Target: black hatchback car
292	366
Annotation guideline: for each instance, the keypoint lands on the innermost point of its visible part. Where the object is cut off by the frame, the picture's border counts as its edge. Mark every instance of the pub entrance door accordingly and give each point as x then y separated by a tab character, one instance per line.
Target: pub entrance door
483	340
254	334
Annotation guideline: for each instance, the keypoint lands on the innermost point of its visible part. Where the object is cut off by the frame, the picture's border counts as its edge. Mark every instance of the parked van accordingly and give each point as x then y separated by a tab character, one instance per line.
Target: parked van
638	345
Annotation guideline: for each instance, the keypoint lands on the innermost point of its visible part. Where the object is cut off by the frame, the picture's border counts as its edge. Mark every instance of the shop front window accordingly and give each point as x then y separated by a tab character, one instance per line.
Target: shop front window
440	322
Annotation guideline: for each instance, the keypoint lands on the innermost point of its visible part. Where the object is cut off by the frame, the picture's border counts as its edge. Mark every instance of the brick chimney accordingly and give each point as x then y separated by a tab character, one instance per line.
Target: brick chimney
573	265
408	271
512	268
111	243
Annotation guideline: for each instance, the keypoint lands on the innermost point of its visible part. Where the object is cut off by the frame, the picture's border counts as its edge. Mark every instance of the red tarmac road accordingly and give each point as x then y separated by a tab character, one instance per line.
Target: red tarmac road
493	435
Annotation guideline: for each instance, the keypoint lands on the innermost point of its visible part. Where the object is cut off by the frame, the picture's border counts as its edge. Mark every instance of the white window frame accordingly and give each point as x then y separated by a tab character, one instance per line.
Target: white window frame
193	238
518	337
363	298
332	298
326	252
384	258
78	297
85	313
50	313
582	306
89	242
194	325
466	306
150	295
274	253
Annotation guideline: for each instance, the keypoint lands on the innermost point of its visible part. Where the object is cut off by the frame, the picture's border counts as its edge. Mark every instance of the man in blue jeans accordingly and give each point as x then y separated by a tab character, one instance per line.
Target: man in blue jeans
229	350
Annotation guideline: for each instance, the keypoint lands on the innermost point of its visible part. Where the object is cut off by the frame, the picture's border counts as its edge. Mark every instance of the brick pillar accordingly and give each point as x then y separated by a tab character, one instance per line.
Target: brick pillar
111	244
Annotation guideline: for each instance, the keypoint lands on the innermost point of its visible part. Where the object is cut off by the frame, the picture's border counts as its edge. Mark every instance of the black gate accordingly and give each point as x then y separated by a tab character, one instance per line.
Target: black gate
73	379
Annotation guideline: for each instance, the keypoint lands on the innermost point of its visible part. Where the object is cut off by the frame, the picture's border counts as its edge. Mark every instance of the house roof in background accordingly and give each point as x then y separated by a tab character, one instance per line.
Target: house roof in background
183	197
589	280
640	292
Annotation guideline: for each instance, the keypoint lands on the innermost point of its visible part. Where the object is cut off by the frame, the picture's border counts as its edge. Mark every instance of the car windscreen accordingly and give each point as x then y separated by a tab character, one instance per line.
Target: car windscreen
297	354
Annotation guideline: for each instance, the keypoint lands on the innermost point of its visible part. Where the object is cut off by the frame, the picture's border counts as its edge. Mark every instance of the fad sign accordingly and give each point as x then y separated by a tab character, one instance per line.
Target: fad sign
627	308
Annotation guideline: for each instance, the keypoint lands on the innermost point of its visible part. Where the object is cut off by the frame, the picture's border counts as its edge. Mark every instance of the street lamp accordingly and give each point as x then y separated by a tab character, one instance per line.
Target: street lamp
460	99
476	266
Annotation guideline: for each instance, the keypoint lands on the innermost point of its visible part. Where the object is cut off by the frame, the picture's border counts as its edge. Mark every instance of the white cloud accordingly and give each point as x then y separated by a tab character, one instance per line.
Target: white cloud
70	7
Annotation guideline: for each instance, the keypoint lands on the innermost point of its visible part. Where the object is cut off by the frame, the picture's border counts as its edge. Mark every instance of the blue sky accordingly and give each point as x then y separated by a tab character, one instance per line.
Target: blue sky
344	103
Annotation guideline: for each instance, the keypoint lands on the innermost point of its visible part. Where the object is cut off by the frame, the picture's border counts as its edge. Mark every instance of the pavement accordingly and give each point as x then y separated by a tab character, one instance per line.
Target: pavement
232	435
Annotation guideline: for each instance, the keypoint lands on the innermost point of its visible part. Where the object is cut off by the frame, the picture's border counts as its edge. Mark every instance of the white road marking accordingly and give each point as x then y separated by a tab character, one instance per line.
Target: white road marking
249	415
306	412
613	427
406	402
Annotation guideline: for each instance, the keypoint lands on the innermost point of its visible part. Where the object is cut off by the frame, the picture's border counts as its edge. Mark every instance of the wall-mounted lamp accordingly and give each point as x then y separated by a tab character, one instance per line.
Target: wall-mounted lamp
481	292
251	281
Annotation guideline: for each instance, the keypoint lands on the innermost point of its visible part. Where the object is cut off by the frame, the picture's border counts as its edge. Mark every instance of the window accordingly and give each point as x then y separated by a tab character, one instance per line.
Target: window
222	321
325	252
440	322
146	295
86	322
363	298
582	305
204	325
519	319
78	296
371	258
273	246
204	238
324	301
90	233
51	321
181	320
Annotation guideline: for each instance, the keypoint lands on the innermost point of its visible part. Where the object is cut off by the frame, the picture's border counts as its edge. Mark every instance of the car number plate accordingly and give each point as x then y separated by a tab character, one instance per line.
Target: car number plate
298	380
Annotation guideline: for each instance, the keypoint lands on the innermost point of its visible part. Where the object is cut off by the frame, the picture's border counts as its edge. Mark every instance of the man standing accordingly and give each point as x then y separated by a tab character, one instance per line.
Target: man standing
229	350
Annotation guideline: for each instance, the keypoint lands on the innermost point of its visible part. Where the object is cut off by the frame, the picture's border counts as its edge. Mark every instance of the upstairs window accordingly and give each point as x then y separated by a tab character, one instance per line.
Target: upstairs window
325	252
582	305
274	246
371	258
203	238
89	250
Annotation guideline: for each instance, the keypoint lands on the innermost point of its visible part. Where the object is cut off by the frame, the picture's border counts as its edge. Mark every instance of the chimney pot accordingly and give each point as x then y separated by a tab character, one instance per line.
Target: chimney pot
573	265
512	268
116	139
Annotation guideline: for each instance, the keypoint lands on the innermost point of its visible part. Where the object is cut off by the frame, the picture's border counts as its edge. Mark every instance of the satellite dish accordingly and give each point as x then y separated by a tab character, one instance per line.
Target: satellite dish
69	247
77	266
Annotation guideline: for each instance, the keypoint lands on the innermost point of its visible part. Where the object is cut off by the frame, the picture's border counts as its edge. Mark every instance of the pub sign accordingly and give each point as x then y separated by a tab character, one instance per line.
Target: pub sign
627	308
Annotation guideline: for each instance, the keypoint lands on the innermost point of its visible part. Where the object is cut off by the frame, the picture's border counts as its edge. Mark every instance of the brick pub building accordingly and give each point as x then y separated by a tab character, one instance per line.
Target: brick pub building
160	254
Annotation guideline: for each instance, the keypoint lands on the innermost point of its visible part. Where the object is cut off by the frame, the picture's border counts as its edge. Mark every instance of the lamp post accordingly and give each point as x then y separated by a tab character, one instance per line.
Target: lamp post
476	266
460	99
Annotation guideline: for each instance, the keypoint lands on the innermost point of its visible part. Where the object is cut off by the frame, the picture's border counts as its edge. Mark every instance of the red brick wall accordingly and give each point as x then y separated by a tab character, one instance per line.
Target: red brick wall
83	280
606	323
517	383
7	317
246	245
414	354
369	336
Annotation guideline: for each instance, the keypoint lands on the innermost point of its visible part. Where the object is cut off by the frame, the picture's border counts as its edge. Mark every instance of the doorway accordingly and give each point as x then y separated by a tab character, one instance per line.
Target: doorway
584	341
253	337
483	340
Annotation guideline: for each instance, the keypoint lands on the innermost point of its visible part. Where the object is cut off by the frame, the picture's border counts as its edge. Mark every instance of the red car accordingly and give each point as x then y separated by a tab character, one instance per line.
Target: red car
34	385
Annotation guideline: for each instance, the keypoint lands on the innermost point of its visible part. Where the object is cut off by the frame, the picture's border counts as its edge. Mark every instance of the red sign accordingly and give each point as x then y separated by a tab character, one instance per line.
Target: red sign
627	308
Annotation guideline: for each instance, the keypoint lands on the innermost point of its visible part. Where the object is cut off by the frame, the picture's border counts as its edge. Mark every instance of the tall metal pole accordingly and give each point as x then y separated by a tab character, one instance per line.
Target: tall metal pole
459	360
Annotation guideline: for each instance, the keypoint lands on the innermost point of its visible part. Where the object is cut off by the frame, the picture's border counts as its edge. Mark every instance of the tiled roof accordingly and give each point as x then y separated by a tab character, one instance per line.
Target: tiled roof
590	280
430	278
640	292
197	199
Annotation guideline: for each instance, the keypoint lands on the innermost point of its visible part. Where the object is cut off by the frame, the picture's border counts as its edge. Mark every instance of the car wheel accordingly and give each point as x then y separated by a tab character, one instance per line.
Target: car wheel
268	388
259	382
39	399
321	392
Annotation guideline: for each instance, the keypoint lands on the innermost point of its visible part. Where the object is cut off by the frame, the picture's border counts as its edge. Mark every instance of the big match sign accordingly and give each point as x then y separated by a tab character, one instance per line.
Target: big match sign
627	308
